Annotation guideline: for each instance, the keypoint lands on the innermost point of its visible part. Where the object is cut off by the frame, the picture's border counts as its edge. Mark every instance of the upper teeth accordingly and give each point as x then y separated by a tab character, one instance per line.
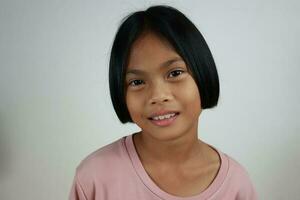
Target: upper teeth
160	117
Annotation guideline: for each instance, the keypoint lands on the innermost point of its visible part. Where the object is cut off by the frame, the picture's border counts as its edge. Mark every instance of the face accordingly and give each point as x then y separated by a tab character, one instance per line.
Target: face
161	95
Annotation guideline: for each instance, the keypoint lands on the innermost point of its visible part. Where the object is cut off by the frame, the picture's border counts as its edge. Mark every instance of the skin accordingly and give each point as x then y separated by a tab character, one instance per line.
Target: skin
152	86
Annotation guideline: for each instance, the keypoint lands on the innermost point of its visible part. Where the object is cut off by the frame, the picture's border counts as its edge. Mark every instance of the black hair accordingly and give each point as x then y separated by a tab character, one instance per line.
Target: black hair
173	26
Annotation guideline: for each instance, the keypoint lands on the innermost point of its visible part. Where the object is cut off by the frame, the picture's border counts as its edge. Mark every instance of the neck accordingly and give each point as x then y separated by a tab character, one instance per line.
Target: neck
171	152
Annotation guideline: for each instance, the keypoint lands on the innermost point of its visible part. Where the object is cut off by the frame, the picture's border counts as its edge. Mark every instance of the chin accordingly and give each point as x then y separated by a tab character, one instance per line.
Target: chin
166	135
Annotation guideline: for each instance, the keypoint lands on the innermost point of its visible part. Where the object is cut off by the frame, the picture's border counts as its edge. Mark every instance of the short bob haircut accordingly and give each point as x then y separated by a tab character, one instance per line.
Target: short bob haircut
173	26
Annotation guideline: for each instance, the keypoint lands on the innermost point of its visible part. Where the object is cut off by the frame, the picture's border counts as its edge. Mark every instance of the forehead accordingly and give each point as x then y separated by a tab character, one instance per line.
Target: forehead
149	49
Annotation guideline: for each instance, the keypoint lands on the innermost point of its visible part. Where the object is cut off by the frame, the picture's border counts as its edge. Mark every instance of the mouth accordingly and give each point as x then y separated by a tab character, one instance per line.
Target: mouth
164	120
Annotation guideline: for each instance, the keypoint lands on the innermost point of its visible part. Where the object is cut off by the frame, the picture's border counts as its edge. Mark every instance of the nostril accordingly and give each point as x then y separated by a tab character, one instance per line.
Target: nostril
157	101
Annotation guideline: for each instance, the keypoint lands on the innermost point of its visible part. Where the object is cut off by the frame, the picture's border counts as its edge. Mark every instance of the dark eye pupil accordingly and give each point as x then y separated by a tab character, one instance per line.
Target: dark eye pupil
176	73
137	82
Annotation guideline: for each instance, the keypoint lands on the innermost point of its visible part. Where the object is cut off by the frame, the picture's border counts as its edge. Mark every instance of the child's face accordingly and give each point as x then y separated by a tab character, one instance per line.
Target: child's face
153	87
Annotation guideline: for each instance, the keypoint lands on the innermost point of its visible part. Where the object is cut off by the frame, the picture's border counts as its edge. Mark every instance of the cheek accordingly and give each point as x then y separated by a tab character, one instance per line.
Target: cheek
189	93
133	105
129	102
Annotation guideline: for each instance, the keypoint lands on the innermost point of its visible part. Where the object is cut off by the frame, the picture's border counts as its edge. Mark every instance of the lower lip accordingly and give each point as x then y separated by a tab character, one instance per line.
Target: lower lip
164	122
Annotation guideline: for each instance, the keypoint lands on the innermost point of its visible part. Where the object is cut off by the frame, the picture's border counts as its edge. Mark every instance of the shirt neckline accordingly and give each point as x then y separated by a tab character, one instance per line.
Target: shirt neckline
151	185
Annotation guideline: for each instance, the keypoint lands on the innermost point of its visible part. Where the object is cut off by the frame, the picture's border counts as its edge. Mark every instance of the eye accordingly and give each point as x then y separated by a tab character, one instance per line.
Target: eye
135	82
175	73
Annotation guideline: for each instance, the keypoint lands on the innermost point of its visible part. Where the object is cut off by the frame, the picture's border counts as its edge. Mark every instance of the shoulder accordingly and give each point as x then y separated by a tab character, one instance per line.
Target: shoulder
100	168
236	168
239	178
103	160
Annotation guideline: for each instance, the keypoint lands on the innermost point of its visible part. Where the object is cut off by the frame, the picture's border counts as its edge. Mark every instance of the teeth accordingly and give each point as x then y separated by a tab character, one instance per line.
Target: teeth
161	117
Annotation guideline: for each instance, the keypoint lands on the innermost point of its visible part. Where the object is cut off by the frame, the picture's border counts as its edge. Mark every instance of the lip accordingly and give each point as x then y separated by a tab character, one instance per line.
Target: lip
163	112
164	122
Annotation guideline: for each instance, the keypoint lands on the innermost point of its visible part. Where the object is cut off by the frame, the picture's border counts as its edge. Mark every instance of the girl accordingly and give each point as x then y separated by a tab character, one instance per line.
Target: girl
162	74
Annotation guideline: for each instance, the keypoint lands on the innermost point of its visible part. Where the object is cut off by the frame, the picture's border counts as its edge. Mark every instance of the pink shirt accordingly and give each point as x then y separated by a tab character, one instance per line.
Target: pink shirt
115	172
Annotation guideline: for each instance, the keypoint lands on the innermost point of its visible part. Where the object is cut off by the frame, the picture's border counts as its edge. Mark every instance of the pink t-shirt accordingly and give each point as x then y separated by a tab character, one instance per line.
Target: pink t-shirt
115	172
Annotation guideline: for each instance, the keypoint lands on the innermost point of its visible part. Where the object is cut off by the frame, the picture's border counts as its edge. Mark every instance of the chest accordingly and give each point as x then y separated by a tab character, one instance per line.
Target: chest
183	182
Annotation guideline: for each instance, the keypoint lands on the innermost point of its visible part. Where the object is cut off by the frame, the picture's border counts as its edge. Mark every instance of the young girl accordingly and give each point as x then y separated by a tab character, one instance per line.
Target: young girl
161	76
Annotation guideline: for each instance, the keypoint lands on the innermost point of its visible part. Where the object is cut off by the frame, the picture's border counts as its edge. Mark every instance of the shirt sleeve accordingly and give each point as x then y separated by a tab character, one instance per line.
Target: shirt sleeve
77	192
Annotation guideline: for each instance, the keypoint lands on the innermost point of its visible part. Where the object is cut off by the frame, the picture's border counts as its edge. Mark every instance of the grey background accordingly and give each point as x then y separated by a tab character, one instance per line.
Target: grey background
55	107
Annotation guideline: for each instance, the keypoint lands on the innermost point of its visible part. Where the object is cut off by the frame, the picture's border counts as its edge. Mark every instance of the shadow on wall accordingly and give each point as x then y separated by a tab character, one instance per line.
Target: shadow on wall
5	156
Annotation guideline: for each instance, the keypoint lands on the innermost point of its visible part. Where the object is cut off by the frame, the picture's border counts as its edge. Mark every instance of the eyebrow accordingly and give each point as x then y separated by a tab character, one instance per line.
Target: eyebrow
162	65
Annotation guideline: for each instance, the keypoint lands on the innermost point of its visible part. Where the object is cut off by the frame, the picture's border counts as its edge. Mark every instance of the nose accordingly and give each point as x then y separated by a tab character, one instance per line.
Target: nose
159	93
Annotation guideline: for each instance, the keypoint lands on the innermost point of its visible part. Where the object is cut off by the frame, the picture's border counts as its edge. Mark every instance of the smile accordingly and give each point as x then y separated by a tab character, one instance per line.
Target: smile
161	117
164	120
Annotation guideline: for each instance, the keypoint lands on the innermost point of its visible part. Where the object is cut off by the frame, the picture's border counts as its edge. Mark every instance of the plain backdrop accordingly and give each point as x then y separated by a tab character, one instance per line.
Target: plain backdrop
55	106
